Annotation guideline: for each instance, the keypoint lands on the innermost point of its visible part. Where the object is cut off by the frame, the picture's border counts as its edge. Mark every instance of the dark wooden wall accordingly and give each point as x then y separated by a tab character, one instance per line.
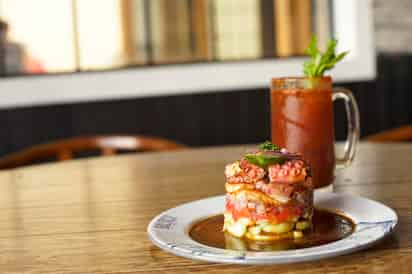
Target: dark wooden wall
204	119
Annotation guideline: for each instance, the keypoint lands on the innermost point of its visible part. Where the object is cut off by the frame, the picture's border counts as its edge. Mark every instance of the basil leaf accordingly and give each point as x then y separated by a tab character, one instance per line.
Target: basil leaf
264	161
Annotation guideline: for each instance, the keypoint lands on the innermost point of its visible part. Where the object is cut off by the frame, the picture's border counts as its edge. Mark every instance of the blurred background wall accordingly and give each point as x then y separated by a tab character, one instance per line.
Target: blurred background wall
393	24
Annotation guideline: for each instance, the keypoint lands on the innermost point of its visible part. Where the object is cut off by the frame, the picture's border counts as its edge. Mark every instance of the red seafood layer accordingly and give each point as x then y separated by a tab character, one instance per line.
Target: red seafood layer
256	206
244	172
273	214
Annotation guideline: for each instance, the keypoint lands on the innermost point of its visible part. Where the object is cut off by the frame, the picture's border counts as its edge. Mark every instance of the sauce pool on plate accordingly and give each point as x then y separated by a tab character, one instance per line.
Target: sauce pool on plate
327	227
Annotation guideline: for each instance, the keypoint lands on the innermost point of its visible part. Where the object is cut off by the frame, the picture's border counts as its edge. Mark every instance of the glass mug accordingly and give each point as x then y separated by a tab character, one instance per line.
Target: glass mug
302	121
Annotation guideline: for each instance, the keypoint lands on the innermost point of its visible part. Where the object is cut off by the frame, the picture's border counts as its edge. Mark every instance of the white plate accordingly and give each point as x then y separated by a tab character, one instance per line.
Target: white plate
373	220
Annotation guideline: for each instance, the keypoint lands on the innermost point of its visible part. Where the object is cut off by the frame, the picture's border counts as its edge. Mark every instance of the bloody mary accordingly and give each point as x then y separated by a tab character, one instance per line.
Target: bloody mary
302	121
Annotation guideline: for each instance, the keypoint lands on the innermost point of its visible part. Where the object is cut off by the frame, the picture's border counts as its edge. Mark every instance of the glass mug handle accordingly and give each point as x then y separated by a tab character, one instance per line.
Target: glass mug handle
352	113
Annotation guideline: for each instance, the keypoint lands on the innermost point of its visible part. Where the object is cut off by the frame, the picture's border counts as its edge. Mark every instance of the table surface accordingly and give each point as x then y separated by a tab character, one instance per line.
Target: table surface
90	215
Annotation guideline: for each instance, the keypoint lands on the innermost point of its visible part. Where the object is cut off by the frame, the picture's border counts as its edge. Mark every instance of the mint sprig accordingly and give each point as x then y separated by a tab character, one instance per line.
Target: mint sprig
268	146
321	62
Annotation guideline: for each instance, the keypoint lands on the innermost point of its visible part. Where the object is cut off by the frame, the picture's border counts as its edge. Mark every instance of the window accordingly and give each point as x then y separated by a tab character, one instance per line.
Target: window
155	47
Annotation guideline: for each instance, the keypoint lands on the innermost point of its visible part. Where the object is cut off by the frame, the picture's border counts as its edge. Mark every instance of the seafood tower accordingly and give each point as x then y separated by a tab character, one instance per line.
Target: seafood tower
269	195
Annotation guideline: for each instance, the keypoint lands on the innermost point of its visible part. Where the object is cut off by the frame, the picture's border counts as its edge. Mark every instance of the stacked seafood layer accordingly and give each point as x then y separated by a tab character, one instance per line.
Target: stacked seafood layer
269	195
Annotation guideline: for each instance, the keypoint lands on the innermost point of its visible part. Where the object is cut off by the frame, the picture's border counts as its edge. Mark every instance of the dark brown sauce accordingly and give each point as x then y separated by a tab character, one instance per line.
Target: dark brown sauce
327	227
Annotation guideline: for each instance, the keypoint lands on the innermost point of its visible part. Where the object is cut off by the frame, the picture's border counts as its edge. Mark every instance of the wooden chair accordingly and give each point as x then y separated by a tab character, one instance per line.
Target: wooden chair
66	149
400	134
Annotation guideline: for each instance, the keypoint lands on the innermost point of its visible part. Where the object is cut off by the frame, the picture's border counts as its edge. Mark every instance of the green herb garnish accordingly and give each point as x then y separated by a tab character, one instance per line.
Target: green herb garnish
263	160
321	62
268	146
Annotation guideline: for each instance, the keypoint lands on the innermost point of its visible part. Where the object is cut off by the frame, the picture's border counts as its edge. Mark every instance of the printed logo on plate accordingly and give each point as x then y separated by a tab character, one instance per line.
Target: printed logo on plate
166	222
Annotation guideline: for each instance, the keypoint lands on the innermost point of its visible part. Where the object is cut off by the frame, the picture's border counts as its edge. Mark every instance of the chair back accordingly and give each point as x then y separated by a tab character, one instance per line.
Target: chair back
67	148
400	134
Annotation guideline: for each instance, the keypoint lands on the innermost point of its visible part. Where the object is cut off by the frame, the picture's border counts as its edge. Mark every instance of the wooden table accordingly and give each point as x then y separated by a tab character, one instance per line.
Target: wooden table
90	216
